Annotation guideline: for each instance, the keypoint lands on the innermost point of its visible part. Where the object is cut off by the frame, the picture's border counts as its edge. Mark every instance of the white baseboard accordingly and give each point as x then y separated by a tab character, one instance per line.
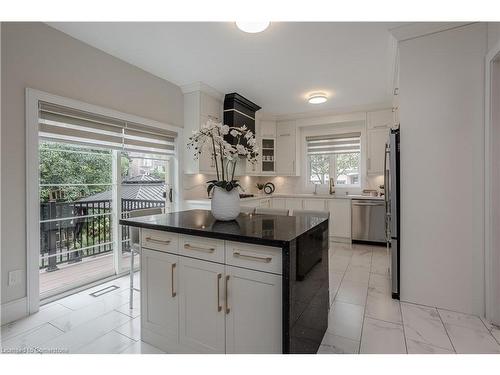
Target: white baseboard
14	310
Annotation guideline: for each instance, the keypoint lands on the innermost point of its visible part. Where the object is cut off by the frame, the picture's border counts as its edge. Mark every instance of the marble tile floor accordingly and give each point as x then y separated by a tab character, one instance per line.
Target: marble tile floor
363	318
81	323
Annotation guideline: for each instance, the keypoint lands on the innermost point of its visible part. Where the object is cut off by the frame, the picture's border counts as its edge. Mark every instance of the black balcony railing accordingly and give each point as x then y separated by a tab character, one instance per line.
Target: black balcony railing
71	231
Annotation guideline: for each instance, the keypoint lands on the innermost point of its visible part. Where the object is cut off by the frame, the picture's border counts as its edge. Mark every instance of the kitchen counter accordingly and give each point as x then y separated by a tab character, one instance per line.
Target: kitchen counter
271	230
325	196
203	202
257	284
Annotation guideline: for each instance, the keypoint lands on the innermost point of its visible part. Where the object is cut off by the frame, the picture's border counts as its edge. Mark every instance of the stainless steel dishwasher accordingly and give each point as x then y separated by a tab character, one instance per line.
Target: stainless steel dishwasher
368	220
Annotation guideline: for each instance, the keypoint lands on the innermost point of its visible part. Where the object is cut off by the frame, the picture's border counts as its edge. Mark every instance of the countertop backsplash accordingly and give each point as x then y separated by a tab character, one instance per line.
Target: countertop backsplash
195	185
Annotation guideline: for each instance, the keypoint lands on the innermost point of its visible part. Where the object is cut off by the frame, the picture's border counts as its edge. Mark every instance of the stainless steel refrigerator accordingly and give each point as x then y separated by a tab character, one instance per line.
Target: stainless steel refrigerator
392	207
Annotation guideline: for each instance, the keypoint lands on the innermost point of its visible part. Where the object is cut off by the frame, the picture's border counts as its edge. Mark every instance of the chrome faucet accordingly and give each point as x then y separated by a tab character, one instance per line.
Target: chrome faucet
332	186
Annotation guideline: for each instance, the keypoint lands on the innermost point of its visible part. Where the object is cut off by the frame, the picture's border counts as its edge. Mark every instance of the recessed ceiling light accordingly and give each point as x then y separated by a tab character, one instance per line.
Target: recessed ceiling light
253	27
317	98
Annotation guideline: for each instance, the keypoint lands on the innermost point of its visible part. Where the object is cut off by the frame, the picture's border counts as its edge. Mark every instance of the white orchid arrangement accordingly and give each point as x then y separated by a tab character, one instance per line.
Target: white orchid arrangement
224	154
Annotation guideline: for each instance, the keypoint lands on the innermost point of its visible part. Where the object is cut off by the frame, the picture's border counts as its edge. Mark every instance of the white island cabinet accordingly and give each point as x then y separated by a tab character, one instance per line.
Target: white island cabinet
160	299
211	296
245	286
201	320
253	321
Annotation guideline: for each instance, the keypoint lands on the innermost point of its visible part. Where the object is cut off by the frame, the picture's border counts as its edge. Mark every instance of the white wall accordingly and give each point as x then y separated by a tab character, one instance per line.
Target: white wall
493	260
442	161
493	34
37	56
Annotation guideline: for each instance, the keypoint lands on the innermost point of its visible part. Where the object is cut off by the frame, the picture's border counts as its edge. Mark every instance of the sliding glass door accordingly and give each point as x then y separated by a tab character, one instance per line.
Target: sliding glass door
93	171
76	215
145	189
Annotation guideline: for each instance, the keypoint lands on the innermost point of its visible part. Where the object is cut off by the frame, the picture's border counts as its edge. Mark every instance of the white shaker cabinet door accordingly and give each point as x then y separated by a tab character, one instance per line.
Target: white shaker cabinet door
253	311
315	204
340	217
376	150
159	299
285	150
266	202
201	313
294	204
278	203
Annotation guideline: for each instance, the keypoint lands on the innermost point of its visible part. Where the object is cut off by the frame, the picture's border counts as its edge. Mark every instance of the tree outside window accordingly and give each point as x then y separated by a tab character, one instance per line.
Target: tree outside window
343	167
319	169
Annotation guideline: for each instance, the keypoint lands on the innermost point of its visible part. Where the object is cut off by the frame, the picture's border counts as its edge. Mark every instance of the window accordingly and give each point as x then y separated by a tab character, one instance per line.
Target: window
335	156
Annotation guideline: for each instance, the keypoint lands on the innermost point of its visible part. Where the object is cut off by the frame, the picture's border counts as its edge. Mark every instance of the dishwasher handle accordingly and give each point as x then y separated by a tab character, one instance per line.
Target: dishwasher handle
368	204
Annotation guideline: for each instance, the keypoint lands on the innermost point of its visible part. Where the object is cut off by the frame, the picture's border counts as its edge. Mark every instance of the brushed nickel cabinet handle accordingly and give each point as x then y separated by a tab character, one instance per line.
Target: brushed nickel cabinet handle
154	240
173	291
219	307
251	257
197	248
227	297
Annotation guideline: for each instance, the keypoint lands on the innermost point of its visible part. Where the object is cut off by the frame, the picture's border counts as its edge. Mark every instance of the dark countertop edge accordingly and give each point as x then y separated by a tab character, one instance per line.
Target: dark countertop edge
217	235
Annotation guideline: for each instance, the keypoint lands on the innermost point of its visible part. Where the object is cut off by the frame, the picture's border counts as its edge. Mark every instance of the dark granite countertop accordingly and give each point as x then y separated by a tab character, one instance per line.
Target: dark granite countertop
270	230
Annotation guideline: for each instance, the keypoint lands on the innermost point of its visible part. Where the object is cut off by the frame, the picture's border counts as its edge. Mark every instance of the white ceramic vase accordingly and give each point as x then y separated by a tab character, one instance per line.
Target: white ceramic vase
225	204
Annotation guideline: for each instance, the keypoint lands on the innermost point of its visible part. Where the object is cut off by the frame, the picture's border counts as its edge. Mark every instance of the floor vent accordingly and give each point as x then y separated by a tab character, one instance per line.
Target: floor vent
102	291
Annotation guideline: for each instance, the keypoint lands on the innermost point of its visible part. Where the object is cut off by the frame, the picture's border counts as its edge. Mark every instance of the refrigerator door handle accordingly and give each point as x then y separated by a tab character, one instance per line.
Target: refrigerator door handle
386	195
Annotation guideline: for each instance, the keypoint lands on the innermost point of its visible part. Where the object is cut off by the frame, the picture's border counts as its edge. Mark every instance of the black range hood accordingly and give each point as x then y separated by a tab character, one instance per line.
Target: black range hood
239	111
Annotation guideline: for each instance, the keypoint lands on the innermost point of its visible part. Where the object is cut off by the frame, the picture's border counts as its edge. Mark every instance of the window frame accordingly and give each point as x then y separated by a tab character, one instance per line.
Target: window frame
332	172
336	128
33	98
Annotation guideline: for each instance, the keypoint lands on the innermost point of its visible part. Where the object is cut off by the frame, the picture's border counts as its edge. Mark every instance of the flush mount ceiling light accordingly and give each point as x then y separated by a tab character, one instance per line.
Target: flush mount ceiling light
317	98
252	27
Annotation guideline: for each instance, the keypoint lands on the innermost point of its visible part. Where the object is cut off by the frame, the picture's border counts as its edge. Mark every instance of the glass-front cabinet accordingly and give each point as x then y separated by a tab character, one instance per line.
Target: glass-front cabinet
268	150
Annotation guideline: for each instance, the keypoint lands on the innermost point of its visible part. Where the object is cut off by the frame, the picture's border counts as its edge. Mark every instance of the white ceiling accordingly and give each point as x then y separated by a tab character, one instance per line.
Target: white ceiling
352	62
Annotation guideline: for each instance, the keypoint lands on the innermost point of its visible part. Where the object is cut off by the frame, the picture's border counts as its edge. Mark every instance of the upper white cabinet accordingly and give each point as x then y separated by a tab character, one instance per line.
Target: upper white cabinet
267	156
378	124
199	106
382	119
286	148
266	129
265	135
376	151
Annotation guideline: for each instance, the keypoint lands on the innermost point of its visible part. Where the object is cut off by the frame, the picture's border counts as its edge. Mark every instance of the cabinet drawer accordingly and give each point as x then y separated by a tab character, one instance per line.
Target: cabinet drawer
202	248
255	257
158	240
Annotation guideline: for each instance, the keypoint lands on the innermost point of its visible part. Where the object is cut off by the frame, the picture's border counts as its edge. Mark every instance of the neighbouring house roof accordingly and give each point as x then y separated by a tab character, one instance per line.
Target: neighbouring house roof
143	187
143	178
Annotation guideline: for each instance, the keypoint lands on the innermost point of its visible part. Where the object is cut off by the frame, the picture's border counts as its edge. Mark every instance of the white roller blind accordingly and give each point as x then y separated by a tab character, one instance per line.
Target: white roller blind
333	144
69	125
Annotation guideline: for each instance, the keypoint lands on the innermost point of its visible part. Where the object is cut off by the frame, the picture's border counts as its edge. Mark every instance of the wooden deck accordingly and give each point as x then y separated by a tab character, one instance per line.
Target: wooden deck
70	276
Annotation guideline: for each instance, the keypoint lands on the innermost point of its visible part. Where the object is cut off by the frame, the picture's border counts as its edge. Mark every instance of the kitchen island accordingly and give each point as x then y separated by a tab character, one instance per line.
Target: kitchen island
257	284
